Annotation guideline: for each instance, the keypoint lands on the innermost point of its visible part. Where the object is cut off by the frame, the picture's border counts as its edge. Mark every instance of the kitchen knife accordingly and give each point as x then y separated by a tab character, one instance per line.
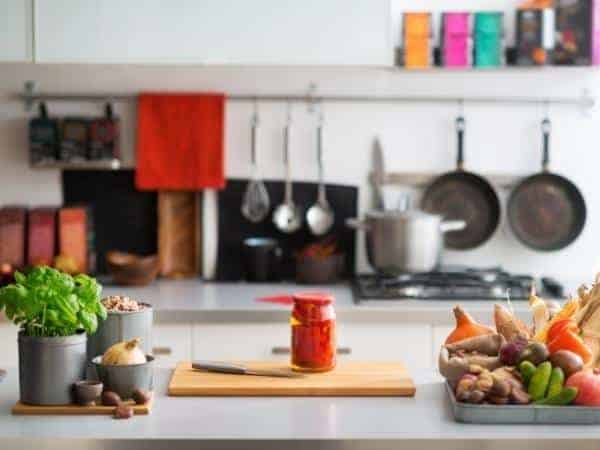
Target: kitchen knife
236	369
378	175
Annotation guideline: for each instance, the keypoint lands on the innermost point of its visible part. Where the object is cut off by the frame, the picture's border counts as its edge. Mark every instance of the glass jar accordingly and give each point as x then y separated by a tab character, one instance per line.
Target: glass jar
313	332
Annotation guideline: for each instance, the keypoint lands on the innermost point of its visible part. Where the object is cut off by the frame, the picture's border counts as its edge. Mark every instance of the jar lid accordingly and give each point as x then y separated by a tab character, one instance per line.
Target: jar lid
315	298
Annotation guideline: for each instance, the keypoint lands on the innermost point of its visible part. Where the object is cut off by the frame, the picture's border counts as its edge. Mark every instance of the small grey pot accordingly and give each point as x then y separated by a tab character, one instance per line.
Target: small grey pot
125	379
49	366
122	326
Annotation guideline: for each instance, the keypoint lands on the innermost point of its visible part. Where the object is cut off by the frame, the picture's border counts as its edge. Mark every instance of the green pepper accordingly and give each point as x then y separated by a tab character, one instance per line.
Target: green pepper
527	369
557	381
565	397
539	381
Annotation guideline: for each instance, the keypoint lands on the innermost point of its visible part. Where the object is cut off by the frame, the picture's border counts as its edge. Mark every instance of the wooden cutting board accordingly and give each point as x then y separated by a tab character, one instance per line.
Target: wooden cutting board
349	379
21	409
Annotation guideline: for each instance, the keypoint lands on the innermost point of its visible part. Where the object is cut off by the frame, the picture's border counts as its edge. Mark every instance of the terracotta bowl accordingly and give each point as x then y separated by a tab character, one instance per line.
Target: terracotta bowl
132	270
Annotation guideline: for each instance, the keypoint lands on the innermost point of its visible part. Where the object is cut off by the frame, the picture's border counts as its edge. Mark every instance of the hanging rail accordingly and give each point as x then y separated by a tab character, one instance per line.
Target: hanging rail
586	101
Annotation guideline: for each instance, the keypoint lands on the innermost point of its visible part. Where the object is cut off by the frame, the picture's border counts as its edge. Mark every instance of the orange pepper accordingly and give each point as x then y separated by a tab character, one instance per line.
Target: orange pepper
561	325
569	340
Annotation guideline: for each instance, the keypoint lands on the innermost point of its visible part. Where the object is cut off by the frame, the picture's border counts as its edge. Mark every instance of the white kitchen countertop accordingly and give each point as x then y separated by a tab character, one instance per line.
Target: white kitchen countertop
262	422
198	301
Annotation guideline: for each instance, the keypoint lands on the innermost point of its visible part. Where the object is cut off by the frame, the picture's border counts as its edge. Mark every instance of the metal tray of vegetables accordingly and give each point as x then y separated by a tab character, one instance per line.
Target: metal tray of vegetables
515	414
513	373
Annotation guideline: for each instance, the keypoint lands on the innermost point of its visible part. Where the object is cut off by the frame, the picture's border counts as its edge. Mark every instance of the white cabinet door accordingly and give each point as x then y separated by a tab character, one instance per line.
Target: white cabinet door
440	333
237	341
16	34
9	356
407	343
171	344
310	32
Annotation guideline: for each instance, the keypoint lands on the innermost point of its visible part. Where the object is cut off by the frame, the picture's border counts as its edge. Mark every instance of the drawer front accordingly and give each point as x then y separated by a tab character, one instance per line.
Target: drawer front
9	356
235	341
408	343
440	333
171	344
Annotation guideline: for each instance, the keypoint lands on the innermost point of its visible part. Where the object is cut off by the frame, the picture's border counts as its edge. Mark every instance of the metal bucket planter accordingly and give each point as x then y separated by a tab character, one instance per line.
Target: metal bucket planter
122	326
48	367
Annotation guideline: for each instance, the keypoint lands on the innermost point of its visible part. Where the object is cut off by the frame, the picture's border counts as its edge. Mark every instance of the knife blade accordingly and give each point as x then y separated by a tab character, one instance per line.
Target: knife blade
238	369
378	175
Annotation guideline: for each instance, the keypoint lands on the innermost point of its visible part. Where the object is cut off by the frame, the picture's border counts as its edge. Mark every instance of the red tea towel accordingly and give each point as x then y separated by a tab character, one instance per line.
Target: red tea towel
180	142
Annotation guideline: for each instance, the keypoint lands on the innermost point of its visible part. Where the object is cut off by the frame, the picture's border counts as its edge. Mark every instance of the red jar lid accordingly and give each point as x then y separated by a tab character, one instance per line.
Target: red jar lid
314	298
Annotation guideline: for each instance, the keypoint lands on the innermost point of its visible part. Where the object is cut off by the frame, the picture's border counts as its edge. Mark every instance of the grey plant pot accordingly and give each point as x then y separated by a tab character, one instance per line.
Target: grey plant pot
125	379
48	367
122	326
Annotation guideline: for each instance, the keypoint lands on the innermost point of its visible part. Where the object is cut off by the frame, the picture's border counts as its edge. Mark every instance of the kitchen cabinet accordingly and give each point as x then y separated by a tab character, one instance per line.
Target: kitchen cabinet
312	32
171	343
408	343
16	34
440	333
9	356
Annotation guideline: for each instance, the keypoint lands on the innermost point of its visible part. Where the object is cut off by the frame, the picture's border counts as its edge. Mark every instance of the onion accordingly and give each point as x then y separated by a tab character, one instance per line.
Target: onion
124	353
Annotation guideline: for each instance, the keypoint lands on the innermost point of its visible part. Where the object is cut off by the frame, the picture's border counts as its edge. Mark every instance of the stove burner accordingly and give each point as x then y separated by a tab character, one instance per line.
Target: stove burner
452	283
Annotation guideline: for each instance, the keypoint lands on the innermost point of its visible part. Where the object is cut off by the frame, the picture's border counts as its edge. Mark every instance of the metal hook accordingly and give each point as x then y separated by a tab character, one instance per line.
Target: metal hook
255	118
312	89
289	112
546	109
461	107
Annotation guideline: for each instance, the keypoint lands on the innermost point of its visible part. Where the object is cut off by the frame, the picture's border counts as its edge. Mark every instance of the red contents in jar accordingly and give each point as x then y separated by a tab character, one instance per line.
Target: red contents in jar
313	332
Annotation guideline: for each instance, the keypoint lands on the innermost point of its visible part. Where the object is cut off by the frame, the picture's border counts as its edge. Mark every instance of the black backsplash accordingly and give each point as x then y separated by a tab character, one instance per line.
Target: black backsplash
234	228
124	219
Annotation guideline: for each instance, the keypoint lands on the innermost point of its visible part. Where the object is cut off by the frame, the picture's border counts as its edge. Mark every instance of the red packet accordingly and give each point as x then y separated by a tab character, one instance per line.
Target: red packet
456	39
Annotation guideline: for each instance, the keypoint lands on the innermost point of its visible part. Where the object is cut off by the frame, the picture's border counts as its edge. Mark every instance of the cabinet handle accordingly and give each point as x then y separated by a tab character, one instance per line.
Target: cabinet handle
161	351
287	351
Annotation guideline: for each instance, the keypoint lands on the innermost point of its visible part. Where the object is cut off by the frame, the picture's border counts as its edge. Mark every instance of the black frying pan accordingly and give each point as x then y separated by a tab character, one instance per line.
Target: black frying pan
546	211
462	195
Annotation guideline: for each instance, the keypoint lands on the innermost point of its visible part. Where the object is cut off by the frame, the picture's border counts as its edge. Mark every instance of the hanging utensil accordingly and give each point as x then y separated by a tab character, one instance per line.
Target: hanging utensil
464	196
256	202
378	175
546	211
320	216
287	217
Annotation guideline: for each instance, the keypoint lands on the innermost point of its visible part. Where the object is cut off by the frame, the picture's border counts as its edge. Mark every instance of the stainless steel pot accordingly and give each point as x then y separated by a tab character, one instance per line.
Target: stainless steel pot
404	241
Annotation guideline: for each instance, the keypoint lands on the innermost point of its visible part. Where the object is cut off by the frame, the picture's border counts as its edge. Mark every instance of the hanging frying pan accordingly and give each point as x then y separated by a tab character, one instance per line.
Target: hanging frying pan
546	211
462	195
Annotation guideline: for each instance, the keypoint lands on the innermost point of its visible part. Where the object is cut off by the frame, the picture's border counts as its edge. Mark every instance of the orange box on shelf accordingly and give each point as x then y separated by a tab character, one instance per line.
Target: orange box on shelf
417	40
72	238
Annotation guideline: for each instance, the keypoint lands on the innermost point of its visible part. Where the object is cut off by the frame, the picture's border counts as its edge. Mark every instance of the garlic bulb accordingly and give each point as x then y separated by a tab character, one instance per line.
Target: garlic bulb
124	353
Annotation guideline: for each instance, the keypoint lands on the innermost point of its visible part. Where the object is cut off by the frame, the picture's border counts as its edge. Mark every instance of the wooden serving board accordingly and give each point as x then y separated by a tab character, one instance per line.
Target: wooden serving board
349	379
21	409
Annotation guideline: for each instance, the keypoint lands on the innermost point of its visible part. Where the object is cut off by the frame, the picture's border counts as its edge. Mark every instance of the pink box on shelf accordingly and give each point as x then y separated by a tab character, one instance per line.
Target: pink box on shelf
456	39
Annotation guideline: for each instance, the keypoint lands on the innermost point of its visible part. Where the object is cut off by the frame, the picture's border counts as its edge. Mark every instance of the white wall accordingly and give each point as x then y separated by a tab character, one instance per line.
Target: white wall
414	136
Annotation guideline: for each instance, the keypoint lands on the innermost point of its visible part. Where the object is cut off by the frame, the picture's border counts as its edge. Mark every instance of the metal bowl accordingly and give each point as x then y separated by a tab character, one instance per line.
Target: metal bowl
125	379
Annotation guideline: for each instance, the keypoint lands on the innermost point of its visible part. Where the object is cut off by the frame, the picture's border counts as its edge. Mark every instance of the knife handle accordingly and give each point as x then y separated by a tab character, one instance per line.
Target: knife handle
212	366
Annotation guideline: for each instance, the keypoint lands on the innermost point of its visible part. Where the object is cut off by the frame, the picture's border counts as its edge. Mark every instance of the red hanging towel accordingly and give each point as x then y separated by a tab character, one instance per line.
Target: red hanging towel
180	142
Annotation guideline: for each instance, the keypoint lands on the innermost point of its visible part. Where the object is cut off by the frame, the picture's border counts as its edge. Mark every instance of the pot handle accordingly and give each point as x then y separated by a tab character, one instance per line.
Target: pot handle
357	224
452	225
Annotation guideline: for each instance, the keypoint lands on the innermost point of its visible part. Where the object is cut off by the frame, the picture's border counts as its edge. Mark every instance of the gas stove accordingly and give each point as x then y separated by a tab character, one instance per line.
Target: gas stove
453	283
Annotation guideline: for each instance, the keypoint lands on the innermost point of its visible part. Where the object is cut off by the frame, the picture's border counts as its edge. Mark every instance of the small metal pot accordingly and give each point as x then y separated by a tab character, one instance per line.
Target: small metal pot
125	379
122	326
404	241
48	367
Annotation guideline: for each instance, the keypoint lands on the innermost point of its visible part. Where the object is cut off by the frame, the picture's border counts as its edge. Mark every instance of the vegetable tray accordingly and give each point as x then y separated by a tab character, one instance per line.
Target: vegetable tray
513	414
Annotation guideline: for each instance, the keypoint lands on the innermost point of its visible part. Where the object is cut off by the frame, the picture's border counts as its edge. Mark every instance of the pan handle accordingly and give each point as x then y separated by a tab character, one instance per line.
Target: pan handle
357	224
546	128
460	130
452	225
